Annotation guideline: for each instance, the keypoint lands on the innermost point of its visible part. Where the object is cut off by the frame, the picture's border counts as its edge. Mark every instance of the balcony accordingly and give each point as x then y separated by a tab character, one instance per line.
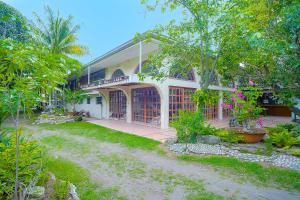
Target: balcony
106	82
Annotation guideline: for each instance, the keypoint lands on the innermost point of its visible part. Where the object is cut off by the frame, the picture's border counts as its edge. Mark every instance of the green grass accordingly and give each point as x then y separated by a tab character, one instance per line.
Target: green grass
69	171
59	142
250	171
193	189
104	134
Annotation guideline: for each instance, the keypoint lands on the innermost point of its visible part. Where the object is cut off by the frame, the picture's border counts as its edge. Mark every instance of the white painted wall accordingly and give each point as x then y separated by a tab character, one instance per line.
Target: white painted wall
95	110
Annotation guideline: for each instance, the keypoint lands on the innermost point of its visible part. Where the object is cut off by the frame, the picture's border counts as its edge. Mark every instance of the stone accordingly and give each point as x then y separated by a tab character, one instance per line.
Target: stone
36	193
72	193
266	137
208	139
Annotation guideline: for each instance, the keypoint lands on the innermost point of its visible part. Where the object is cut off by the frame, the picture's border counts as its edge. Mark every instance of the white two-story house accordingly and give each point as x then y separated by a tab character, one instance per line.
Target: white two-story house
116	92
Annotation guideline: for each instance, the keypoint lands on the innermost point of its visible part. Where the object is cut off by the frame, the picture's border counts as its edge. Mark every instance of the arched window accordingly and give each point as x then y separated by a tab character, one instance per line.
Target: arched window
117	73
145	70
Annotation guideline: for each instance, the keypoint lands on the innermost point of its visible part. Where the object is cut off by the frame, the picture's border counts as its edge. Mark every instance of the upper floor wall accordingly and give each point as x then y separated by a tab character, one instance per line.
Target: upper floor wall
124	61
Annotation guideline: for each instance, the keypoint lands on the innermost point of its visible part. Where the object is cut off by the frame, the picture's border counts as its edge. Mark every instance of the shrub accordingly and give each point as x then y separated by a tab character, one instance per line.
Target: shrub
283	135
59	111
228	136
29	163
44	116
78	119
188	125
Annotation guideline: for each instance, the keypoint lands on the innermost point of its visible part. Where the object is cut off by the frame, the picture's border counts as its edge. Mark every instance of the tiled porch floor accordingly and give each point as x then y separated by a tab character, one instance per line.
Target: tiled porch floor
136	129
163	134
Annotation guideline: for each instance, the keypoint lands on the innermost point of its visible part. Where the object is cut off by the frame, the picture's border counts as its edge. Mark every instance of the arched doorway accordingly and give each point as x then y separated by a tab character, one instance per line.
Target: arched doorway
146	106
117	105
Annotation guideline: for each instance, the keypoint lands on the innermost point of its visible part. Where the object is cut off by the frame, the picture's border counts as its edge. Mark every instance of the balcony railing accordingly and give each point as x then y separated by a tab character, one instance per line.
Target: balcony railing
106	81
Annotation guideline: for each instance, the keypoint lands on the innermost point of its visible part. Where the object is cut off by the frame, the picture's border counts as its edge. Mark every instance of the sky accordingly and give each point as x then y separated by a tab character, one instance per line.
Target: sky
104	24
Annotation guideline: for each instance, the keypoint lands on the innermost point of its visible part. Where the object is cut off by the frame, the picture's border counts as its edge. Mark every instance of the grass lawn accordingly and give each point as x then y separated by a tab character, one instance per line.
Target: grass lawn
249	171
69	171
104	134
241	171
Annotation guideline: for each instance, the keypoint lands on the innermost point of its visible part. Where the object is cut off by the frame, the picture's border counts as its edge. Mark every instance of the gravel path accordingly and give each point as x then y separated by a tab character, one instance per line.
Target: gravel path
146	175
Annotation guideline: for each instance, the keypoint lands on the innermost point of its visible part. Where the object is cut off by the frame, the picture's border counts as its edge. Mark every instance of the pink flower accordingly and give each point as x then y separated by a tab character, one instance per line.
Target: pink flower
241	95
233	99
234	90
260	122
223	105
230	107
251	83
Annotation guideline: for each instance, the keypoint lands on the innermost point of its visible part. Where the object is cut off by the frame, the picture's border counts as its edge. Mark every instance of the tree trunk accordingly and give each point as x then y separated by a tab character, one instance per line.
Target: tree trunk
16	196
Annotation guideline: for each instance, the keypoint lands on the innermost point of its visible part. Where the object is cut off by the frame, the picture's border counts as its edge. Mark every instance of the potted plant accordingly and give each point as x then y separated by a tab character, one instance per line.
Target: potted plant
246	113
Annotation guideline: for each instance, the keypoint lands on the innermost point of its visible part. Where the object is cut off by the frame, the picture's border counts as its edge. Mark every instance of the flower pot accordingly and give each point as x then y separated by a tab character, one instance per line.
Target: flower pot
253	136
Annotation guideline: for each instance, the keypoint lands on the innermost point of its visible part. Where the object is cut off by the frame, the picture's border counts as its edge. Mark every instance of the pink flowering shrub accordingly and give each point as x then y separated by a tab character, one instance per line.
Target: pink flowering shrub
243	106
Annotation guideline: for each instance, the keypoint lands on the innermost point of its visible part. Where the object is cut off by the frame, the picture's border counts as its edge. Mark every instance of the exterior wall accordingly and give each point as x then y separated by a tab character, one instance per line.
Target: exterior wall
128	67
96	110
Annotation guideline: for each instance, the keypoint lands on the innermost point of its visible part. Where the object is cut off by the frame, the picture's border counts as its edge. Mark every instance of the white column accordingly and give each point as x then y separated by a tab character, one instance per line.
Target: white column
140	57
128	107
88	75
220	108
164	109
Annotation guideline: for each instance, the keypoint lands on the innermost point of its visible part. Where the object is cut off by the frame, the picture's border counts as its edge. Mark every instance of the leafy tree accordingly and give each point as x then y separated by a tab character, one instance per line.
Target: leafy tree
59	34
230	41
27	71
194	42
74	97
12	23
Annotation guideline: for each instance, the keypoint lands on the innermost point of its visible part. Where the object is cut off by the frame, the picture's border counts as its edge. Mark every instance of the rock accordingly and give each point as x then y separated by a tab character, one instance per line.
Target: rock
36	193
72	192
208	139
170	141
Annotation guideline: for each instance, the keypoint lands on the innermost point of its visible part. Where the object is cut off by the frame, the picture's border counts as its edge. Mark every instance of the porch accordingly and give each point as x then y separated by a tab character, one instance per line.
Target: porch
136	129
164	134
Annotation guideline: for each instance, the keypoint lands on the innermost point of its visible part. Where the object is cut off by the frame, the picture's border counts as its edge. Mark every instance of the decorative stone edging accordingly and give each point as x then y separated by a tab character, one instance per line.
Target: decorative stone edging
279	160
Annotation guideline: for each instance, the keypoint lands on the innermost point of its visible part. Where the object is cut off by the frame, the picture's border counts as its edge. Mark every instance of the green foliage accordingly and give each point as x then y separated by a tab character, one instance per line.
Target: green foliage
29	163
248	41
59	111
243	104
294	152
78	119
12	23
59	34
74	97
205	97
188	125
280	136
228	136
61	190
70	172
250	171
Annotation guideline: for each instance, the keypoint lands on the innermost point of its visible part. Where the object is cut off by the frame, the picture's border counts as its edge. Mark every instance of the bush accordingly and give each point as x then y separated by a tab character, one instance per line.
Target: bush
29	163
280	136
188	125
78	119
59	111
228	136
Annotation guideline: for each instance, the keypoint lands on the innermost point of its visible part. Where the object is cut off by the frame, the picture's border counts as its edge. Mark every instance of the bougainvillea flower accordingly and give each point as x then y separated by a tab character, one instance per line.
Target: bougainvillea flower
251	83
260	122
233	99
241	95
230	107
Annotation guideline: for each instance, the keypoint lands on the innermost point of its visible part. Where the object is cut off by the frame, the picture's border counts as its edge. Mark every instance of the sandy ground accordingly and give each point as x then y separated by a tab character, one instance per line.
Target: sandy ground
147	175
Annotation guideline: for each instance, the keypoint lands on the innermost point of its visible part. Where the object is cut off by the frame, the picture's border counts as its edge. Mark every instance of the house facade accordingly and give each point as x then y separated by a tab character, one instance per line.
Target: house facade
116	92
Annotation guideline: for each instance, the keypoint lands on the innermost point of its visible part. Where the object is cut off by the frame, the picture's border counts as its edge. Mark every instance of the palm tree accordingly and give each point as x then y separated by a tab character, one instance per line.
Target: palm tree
59	34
